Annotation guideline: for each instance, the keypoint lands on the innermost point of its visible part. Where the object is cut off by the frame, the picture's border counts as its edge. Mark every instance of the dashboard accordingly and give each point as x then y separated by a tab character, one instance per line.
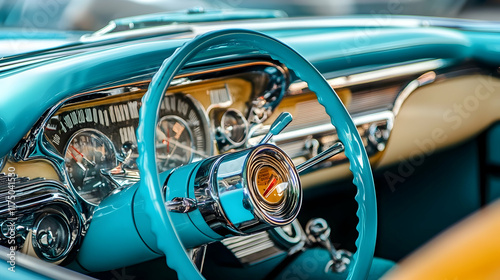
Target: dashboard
90	138
422	93
205	113
90	142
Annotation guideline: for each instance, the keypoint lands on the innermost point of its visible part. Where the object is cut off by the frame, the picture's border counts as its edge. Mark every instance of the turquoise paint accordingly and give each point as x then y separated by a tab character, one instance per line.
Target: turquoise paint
280	123
492	145
112	240
191	230
205	15
379	46
232	202
33	89
167	238
313	262
485	47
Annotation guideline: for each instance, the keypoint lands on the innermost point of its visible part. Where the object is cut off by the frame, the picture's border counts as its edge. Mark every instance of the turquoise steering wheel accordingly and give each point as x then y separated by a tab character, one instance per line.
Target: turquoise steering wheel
233	41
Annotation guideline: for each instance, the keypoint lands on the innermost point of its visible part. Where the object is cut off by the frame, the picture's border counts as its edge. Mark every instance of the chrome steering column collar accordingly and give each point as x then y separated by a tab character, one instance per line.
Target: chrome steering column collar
248	191
243	192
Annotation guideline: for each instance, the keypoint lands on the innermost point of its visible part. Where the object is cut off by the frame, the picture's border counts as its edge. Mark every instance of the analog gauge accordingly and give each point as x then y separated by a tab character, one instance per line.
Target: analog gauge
234	126
270	185
87	155
182	133
175	142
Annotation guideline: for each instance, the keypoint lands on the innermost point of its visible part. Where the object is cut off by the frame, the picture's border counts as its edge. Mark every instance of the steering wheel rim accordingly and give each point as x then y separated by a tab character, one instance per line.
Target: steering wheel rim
166	237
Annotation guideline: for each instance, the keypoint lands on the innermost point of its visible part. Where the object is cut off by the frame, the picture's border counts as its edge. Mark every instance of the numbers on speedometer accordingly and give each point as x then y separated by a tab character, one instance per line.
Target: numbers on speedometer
182	133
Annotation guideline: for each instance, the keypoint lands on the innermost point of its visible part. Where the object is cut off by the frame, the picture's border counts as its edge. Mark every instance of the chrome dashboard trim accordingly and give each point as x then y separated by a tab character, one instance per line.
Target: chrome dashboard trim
191	30
23	200
3	160
376	75
329	128
424	79
372	21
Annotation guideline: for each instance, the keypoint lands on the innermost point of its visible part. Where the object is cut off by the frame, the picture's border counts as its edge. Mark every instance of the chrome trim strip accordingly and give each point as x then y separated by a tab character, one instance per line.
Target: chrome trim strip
374	21
191	30
329	128
424	79
376	75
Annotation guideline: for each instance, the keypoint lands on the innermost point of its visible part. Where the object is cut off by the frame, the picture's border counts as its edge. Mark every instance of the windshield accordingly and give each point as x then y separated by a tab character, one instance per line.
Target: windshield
91	15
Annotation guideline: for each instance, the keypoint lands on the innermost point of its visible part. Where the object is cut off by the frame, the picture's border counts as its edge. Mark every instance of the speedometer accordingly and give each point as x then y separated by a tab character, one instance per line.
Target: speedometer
182	133
87	155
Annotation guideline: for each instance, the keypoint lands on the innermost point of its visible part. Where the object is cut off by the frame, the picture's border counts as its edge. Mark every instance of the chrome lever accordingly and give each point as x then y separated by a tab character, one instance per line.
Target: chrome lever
326	154
278	125
318	234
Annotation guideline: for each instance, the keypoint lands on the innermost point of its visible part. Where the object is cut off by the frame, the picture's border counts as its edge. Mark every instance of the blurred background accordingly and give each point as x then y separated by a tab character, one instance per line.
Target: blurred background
91	15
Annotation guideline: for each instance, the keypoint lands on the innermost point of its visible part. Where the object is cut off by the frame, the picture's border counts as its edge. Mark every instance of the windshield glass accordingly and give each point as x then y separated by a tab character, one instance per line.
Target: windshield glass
91	15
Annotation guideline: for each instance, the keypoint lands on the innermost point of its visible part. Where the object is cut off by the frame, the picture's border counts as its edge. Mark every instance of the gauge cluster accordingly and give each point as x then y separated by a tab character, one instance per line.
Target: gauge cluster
204	114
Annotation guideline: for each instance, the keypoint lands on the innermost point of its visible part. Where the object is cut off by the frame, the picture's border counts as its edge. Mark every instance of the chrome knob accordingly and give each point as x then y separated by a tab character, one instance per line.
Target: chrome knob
317	231
46	239
318	234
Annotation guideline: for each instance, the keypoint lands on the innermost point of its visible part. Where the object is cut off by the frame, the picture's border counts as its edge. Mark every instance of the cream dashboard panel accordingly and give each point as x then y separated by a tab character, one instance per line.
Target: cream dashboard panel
443	114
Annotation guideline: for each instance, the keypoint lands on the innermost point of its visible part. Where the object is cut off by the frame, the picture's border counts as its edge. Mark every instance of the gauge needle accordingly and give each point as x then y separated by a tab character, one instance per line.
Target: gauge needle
280	188
168	142
270	186
185	147
77	162
83	156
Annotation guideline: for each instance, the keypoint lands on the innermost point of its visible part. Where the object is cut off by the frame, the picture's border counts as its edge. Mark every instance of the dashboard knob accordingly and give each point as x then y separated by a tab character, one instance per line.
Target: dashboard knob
318	233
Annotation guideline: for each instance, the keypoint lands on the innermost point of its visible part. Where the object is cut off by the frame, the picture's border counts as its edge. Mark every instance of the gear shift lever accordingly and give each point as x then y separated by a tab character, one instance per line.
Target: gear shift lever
318	234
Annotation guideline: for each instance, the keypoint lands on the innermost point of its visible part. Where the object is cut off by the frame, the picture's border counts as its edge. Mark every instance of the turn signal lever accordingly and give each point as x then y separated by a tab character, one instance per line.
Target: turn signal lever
280	123
318	234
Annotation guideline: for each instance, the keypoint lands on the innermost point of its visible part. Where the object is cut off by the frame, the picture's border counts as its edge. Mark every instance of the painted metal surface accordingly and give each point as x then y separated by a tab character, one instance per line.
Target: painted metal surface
199	15
30	90
112	240
191	227
167	238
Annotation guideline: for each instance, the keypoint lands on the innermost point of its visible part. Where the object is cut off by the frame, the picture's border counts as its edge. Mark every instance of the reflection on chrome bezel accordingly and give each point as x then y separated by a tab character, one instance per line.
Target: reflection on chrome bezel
190	133
285	211
68	245
245	123
106	140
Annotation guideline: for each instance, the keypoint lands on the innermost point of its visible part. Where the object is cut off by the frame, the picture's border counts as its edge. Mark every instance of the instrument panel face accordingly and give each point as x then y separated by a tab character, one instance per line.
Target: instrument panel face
182	132
95	134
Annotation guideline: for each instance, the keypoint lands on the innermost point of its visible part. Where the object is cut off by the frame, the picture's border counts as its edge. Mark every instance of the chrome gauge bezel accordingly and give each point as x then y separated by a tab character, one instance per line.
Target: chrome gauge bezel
189	132
223	128
204	123
287	209
36	231
109	145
